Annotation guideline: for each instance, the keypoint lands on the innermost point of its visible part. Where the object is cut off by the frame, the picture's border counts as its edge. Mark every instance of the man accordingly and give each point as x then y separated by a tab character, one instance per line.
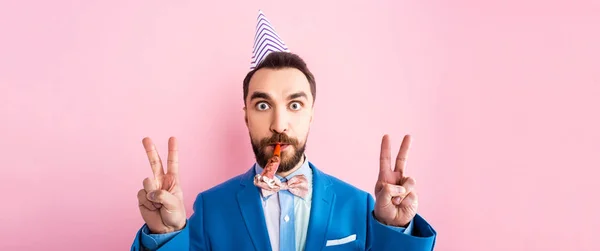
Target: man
329	214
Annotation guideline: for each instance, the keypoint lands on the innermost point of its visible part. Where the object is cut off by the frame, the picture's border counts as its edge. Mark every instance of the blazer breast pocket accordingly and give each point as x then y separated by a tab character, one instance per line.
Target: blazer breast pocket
345	243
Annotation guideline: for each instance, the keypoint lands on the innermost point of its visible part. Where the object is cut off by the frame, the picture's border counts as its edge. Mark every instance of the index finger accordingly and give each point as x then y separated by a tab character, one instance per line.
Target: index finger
402	155
173	158
153	157
385	156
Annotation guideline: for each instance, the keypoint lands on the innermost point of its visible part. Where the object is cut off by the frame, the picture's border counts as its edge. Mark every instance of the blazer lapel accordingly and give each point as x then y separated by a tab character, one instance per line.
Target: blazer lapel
323	199
252	211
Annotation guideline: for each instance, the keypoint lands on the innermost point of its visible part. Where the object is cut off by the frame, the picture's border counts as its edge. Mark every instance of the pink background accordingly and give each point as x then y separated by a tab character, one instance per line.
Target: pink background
502	99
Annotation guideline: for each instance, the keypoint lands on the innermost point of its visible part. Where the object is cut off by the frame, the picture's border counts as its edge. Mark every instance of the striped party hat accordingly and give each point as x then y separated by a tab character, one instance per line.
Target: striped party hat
266	41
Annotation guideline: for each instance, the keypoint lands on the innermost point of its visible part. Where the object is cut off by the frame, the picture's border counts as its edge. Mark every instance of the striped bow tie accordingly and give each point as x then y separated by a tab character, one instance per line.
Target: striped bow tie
297	185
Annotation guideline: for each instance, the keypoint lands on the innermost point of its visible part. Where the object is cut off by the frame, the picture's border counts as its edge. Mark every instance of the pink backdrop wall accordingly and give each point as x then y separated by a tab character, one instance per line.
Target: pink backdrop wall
501	97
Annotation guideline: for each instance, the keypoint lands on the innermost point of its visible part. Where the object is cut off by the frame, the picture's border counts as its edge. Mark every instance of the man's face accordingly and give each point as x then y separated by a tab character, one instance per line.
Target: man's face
279	108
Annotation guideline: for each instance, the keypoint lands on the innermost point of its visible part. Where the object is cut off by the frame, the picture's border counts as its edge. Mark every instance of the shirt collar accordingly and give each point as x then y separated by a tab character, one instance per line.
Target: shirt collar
304	169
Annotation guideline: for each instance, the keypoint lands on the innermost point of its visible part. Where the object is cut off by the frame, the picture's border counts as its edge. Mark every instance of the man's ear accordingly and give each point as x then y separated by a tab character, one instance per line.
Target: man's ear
246	116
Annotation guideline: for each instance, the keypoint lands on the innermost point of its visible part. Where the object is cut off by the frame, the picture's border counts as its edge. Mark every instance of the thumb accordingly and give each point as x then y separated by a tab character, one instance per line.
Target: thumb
168	200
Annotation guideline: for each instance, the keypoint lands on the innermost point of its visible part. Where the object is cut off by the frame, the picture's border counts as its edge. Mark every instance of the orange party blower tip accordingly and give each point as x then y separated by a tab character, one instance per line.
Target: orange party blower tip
277	151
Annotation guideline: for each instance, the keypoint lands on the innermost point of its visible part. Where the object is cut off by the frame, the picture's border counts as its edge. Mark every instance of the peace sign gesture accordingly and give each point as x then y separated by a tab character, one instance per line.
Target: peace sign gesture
161	199
396	199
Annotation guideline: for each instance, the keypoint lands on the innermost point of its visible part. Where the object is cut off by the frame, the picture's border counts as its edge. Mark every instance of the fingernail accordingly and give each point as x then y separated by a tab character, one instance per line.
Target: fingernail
401	190
152	196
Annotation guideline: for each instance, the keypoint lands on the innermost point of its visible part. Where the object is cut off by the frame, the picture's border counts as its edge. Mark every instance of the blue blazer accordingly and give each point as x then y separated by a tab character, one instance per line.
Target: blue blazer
230	216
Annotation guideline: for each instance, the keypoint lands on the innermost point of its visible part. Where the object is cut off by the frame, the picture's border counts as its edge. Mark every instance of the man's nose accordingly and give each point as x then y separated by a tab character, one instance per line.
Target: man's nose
280	122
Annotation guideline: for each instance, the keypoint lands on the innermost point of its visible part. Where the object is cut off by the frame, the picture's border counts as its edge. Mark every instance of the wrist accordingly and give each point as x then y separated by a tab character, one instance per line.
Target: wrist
390	223
167	229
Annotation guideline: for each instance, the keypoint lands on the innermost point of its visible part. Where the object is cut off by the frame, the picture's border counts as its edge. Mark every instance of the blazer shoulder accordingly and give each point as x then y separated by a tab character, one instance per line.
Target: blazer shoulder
343	187
225	189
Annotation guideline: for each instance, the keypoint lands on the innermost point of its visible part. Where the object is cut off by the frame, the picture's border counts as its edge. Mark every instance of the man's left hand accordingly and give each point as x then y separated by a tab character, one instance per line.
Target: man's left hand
396	198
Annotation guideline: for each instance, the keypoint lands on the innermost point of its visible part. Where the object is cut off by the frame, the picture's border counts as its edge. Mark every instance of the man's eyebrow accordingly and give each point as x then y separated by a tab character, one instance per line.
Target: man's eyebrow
298	95
257	95
264	95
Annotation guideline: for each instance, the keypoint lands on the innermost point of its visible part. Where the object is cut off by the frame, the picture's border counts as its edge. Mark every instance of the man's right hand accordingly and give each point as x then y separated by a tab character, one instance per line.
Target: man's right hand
161	199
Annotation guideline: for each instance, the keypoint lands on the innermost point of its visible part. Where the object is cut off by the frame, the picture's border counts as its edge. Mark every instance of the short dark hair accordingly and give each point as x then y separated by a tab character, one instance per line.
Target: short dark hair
279	60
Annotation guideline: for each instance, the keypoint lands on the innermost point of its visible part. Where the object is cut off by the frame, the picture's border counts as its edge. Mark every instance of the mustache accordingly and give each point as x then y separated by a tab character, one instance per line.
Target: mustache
278	138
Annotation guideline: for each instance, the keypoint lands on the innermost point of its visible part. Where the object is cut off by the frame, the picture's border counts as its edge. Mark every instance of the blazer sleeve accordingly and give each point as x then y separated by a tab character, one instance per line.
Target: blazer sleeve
382	237
192	237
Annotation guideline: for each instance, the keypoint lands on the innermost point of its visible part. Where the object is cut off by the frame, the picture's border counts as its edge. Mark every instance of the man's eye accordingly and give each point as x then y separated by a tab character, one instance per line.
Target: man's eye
262	106
296	105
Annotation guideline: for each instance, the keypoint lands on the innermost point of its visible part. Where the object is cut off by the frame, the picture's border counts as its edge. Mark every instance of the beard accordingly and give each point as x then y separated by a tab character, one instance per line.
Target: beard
288	162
